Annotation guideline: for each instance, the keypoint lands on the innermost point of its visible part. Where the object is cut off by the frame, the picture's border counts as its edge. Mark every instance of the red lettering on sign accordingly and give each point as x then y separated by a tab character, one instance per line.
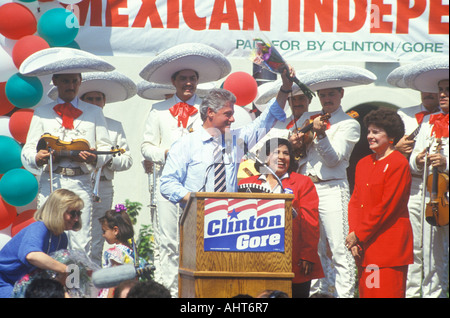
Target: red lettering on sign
294	16
344	24
173	16
112	16
378	10
259	8
323	10
437	11
147	11
405	13
191	18
218	17
96	12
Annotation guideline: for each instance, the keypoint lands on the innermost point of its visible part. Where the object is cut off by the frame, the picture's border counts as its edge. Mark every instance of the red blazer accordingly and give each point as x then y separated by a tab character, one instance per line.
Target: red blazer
378	210
305	227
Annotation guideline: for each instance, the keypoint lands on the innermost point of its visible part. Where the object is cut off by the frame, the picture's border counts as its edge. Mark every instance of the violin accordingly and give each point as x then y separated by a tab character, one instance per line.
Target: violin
436	211
71	148
308	136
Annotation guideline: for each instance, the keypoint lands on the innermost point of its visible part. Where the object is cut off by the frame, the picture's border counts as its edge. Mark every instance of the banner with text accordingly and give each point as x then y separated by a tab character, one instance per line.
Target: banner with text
332	30
244	225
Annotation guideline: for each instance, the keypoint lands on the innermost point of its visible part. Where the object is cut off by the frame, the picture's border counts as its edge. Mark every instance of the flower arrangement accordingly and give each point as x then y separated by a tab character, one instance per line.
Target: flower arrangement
267	56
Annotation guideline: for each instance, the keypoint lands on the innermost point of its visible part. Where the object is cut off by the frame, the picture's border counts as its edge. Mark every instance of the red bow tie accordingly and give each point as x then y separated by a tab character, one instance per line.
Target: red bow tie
421	115
183	111
68	113
440	125
291	124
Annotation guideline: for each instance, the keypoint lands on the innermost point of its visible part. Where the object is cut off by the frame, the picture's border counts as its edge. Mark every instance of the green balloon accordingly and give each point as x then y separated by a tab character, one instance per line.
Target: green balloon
58	27
23	91
10	158
18	187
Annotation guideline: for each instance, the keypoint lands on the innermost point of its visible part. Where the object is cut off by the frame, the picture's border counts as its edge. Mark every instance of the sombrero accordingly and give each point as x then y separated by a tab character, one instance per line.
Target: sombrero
63	60
154	91
424	76
396	77
207	61
116	86
332	76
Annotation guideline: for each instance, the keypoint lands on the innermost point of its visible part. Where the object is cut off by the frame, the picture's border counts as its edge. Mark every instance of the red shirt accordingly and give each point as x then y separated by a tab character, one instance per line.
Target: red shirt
305	227
378	210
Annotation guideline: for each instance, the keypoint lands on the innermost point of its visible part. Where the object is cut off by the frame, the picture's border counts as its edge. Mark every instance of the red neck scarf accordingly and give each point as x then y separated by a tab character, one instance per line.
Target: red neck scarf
68	113
421	115
183	111
440	125
325	121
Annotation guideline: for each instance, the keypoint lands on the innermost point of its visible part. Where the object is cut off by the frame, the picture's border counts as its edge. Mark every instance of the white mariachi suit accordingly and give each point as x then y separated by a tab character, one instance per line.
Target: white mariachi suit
91	126
414	281
161	131
103	180
435	239
326	162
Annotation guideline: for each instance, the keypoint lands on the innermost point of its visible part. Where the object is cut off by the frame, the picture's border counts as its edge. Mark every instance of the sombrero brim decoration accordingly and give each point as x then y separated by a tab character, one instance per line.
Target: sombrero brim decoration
154	91
425	76
333	76
396	77
210	64
116	86
63	60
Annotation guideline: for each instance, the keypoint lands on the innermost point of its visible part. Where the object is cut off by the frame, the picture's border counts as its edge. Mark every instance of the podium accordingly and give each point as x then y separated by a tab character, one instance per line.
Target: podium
210	268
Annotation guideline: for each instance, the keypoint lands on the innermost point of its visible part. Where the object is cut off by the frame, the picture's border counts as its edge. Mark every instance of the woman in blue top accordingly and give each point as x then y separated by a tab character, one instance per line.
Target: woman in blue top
30	248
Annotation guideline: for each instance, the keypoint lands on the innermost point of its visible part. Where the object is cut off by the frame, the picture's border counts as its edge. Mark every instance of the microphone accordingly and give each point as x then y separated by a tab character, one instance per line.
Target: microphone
113	276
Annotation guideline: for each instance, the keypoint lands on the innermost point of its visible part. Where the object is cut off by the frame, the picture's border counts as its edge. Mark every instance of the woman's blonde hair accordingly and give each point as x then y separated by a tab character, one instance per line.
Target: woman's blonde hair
52	211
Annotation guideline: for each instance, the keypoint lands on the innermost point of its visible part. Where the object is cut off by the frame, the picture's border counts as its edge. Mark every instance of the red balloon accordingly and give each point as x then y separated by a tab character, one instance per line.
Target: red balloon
26	46
7	214
243	86
5	104
16	21
19	123
22	220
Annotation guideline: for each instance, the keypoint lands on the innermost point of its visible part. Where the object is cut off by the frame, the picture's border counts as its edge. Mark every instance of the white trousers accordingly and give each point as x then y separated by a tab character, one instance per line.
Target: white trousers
106	194
82	186
337	262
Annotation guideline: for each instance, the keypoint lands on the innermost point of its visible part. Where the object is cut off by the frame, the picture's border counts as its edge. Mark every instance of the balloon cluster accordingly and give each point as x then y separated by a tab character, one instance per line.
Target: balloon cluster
24	29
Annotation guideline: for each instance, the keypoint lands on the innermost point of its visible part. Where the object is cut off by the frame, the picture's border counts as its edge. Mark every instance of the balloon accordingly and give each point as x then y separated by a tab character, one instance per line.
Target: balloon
7	67
20	123
5	104
10	158
18	187
7	214
22	220
23	91
58	27
4	127
243	86
16	21
26	46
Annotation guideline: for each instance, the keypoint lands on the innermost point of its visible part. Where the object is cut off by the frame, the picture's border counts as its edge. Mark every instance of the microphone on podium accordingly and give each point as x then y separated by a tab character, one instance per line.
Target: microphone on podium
113	276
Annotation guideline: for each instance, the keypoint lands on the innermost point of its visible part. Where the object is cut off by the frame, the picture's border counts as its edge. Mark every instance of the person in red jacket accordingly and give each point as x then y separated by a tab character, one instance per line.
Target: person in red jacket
381	238
277	154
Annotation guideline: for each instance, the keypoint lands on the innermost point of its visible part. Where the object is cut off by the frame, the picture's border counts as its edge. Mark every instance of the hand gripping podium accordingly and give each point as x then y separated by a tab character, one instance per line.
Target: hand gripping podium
235	243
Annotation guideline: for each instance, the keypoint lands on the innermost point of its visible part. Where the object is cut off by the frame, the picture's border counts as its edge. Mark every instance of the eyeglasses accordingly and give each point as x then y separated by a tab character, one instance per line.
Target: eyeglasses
74	213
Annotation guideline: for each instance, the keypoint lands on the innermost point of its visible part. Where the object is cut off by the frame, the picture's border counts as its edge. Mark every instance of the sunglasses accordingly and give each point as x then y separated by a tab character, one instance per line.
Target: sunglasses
74	213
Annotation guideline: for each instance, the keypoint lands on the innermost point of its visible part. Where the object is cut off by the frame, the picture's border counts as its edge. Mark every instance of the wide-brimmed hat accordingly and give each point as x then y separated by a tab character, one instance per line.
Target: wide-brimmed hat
210	64
333	76
63	60
116	86
425	76
396	77
154	91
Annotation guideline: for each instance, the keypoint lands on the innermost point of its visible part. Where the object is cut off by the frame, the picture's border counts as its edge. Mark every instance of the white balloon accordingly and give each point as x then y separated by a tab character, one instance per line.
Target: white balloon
5	236
4	126
241	117
7	67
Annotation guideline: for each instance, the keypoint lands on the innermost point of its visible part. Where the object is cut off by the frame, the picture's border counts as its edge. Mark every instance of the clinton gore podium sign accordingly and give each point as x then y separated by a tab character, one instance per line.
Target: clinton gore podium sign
244	225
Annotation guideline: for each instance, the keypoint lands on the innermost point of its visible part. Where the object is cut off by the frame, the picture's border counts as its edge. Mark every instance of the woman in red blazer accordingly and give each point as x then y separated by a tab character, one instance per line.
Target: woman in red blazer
380	236
277	154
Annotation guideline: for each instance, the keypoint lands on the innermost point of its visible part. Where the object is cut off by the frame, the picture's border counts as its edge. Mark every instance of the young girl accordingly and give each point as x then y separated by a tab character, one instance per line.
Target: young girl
118	231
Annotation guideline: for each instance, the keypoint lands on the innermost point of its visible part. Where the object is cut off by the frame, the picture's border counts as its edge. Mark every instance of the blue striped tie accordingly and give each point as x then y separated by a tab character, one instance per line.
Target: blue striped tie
219	171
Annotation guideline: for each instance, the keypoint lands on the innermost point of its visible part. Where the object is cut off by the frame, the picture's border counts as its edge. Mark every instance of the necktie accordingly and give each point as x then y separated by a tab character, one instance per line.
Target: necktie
183	111
68	113
440	125
421	115
219	170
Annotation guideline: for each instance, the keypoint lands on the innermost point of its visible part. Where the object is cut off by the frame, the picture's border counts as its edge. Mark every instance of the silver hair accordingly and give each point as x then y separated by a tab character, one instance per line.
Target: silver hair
216	99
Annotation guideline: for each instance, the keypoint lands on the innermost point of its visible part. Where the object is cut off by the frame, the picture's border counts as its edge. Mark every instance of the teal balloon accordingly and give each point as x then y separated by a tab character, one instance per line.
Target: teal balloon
23	91
10	158
58	27
18	187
